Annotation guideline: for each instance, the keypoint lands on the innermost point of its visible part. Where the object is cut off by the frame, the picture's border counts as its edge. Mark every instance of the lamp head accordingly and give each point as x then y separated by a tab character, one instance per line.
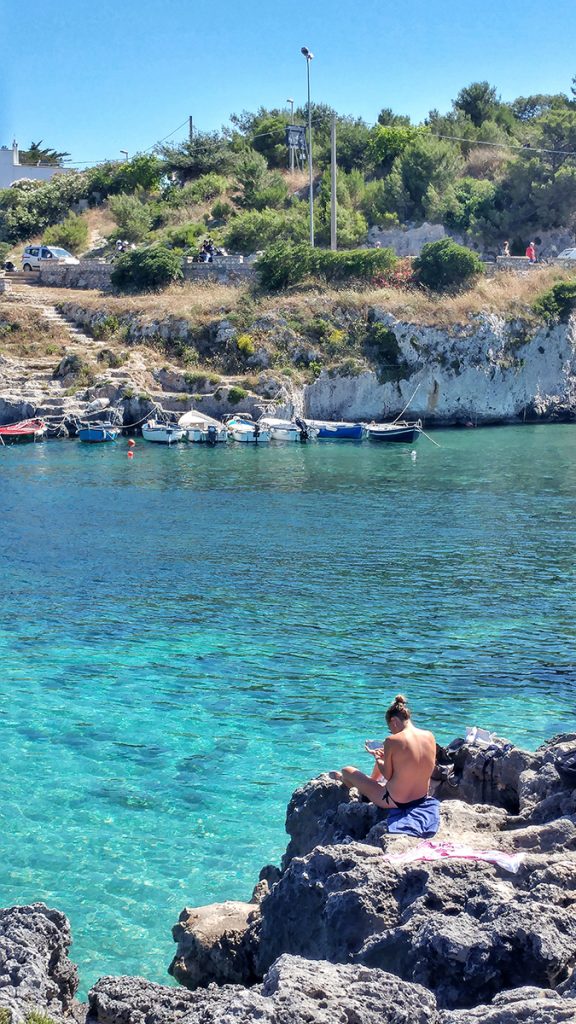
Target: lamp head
307	53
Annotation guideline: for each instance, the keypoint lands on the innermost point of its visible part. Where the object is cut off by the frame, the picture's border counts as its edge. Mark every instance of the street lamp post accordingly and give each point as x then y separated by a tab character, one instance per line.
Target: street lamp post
310	56
125	152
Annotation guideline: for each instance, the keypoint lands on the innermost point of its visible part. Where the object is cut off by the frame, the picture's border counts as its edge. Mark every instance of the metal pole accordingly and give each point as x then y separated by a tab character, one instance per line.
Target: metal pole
333	174
291	102
310	174
190	128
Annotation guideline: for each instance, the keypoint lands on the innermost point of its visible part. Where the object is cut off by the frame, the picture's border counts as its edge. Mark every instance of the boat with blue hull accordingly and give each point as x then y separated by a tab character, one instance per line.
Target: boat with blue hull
327	430
97	433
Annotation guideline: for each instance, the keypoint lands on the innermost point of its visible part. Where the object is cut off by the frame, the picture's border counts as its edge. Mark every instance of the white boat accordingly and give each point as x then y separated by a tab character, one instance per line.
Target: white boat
161	433
242	428
202	429
281	430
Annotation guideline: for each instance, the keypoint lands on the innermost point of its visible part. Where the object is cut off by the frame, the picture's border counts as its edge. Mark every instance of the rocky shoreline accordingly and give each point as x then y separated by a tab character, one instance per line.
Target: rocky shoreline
360	365
356	927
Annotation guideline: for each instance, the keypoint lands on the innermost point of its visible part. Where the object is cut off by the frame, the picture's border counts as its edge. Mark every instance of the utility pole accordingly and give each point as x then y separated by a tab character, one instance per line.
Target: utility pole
190	128
309	57
333	183
291	163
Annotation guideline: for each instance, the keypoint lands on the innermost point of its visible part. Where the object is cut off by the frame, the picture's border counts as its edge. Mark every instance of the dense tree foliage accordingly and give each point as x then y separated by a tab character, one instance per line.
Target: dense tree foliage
486	169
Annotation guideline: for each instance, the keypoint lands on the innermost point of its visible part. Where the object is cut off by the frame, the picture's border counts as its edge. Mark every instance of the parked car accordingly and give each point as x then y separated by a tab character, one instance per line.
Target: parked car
567	254
35	256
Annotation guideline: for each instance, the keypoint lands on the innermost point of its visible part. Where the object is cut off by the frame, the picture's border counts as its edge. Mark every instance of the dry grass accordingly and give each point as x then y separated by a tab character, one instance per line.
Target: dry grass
193	301
296	181
24	332
505	294
100	223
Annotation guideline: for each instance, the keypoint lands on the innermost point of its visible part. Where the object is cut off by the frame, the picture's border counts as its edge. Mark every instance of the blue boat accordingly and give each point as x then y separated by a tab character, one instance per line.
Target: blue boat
327	430
96	433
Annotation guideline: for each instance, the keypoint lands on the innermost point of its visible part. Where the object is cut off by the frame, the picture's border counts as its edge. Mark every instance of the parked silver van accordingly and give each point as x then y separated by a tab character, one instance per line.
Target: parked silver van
35	256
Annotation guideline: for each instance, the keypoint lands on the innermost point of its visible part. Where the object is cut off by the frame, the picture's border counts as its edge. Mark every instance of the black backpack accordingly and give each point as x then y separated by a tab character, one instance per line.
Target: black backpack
444	770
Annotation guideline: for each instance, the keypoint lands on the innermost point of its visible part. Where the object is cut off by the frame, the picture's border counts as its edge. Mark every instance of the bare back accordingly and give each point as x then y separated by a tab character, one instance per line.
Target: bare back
409	757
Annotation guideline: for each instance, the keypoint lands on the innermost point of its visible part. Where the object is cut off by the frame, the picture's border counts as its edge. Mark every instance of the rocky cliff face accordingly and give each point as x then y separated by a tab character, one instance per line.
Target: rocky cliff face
487	371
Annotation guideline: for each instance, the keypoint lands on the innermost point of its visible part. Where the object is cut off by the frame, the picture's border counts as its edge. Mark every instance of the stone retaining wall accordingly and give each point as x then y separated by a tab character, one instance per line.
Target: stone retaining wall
86	274
96	275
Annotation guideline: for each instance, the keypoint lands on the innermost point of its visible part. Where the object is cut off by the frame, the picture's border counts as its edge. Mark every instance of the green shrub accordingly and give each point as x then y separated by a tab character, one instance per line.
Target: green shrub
318	327
36	1017
111	359
257	229
133	218
5	1015
445	264
284	264
236	394
112	177
258	188
26	211
557	303
209	186
181	236
146	269
105	328
221	210
246	346
71	234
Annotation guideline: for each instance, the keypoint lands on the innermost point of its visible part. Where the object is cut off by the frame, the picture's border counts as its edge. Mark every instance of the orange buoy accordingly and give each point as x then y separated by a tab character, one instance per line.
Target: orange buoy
130	455
131	442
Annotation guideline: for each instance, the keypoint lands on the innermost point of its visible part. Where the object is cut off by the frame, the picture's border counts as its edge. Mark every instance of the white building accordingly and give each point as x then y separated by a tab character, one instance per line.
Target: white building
12	170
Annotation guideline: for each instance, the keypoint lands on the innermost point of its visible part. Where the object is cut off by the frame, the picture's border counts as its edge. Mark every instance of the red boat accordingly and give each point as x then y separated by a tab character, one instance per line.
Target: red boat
20	433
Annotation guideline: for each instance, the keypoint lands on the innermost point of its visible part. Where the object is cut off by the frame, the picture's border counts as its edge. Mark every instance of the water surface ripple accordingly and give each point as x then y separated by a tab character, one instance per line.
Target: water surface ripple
187	637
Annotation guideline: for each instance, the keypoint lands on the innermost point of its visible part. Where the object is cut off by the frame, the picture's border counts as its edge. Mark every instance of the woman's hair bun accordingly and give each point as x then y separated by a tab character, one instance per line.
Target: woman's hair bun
400	699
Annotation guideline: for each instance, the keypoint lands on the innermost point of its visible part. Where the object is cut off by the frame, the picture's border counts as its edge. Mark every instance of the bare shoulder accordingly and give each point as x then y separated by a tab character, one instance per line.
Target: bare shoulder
429	736
392	741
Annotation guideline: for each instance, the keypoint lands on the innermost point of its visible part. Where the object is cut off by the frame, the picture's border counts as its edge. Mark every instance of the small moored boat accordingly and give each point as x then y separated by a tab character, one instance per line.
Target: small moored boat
399	432
97	433
23	432
202	429
242	428
328	430
161	433
282	430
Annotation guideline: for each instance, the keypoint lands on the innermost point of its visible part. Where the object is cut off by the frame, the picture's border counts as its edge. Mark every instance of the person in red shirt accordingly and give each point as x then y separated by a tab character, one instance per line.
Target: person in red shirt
531	252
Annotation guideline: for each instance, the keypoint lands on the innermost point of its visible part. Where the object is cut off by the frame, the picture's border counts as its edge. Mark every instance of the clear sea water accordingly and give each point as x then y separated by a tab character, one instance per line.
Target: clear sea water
188	636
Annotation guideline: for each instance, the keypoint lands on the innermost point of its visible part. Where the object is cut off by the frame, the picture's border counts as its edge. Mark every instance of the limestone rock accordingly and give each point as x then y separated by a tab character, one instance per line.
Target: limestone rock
294	991
35	972
214	945
465	930
488	776
518	1006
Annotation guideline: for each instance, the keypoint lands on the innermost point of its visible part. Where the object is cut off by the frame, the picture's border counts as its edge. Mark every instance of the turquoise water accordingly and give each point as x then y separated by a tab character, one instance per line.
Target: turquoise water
188	636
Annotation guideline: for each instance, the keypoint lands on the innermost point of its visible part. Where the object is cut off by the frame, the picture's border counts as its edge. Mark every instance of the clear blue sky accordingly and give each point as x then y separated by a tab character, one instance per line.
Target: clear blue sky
97	76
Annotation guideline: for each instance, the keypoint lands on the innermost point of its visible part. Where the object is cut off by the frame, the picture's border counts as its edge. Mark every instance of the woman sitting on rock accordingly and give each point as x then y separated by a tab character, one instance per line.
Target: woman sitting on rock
400	781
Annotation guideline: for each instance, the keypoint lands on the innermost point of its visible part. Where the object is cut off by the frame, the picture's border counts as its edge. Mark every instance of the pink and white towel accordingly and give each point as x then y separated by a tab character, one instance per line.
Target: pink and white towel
436	850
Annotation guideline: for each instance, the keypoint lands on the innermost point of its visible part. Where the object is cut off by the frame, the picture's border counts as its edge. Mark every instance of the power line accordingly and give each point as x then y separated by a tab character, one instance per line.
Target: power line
526	148
92	163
